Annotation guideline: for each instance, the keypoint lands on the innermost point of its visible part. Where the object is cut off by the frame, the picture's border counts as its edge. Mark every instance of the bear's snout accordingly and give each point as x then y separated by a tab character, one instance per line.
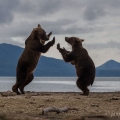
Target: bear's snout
66	39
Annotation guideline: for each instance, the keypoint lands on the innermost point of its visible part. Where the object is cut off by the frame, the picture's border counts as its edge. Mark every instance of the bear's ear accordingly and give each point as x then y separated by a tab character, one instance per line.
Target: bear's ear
82	40
34	29
77	39
39	25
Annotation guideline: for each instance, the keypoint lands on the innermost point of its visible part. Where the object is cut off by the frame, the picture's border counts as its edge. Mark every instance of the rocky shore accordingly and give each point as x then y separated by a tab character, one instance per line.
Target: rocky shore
30	106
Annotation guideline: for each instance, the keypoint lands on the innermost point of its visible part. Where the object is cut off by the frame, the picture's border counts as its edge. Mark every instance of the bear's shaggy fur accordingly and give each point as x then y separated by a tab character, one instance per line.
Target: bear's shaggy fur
34	46
85	68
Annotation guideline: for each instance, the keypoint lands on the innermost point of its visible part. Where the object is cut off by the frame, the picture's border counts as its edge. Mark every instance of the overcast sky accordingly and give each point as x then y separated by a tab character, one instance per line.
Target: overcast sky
95	21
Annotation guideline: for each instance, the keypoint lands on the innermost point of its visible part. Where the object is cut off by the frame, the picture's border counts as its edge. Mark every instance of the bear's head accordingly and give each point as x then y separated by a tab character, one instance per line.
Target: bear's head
39	33
74	41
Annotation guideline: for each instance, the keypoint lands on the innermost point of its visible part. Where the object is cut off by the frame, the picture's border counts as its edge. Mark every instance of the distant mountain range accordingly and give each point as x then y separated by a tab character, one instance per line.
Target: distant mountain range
47	66
109	69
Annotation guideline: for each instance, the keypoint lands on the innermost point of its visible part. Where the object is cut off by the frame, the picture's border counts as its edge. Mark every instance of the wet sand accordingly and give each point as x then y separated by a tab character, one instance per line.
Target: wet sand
96	106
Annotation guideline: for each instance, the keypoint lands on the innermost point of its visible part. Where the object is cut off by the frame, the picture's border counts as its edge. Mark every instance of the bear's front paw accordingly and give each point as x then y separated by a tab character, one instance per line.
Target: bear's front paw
58	46
49	34
53	41
64	49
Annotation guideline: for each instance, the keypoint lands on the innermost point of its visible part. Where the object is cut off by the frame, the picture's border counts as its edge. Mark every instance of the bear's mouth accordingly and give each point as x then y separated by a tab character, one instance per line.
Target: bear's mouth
69	45
42	41
67	40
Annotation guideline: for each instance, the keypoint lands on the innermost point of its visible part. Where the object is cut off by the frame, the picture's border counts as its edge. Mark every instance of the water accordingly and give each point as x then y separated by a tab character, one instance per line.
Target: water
62	84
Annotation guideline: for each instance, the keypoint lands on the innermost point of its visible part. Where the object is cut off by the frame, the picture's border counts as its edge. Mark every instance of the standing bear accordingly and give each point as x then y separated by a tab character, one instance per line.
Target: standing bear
34	46
85	68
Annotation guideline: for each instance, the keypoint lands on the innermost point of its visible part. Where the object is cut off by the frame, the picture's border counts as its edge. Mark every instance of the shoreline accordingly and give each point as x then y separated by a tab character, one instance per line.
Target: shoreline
31	105
62	84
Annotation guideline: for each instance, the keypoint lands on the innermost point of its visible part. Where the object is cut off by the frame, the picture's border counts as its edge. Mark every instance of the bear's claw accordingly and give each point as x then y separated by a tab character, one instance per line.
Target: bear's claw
58	46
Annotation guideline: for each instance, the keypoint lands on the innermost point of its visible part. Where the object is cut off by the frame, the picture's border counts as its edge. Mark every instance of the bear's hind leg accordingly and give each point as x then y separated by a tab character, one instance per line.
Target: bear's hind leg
27	81
85	91
15	88
20	80
83	86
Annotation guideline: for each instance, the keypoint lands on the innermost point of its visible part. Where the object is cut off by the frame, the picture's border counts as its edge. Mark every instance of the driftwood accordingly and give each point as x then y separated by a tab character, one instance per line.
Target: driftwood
57	110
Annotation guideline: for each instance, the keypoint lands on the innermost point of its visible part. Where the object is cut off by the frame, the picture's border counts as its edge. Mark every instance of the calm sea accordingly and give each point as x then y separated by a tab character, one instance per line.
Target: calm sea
62	84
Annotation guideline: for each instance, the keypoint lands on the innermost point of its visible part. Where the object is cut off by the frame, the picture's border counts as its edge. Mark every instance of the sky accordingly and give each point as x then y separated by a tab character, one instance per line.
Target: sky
95	21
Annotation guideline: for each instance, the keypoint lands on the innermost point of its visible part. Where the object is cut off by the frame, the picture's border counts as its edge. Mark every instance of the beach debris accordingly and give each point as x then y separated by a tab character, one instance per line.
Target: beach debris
94	105
98	117
50	100
40	106
8	93
77	98
115	98
28	96
35	94
32	102
57	110
2	105
45	94
32	93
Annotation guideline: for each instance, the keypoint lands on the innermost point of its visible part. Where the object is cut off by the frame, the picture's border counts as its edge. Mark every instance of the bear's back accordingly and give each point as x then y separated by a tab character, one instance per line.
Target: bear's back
83	62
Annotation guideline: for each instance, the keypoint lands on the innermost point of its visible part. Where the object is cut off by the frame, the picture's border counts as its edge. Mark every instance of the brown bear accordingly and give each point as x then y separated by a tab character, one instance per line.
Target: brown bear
34	46
85	68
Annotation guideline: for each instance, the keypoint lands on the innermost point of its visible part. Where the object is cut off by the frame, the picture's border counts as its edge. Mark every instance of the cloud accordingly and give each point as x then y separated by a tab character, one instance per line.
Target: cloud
45	7
98	9
61	17
81	30
17	42
97	21
101	46
38	7
6	11
93	12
